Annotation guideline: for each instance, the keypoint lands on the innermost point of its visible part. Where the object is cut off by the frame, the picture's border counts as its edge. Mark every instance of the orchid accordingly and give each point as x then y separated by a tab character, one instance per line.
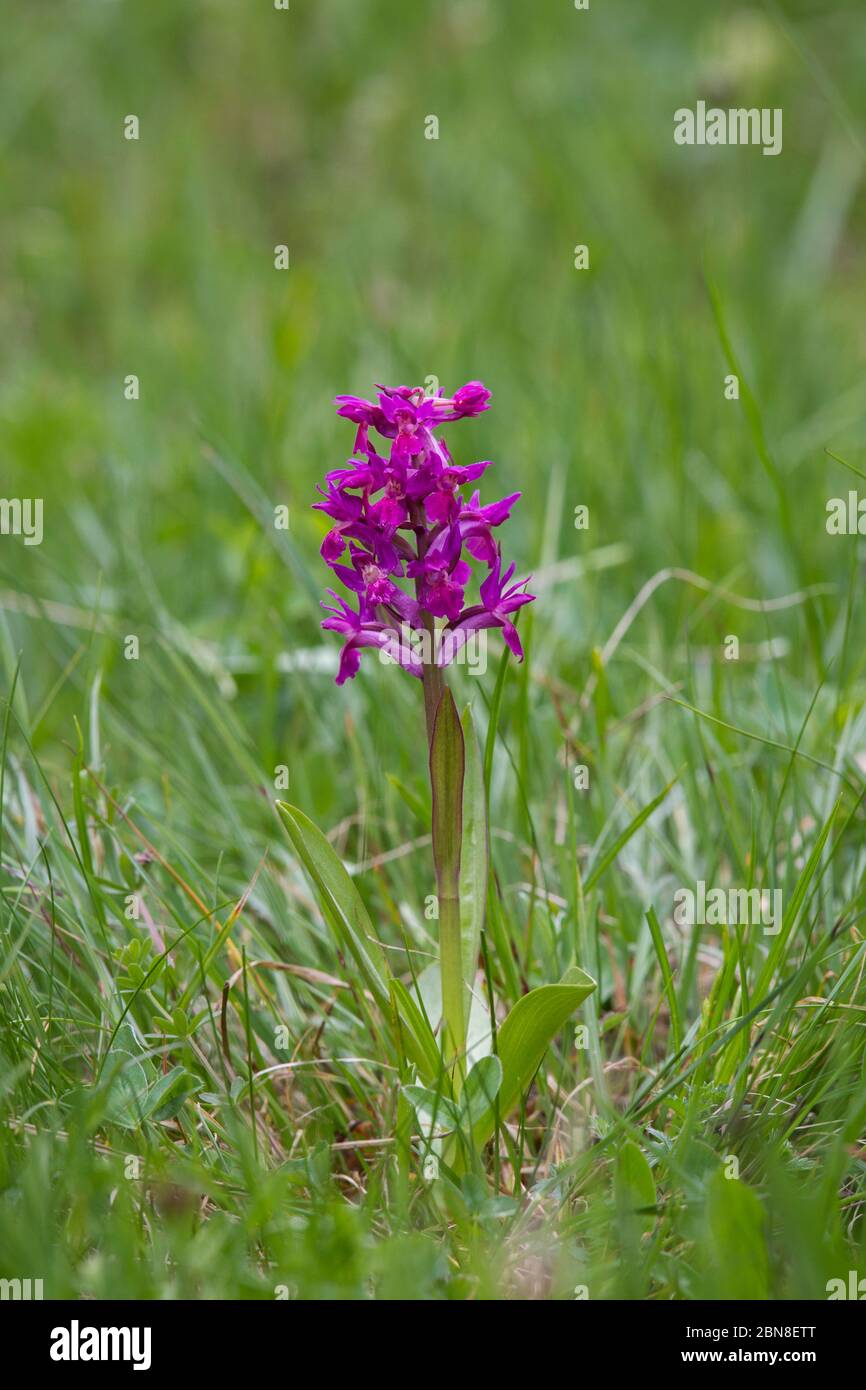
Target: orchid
405	517
408	547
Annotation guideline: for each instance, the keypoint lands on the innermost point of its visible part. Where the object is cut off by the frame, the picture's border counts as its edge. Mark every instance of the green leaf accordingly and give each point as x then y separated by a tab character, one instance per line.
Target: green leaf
180	1022
635	1186
735	1247
415	803
339	899
795	903
473	854
437	1115
177	1101
633	826
479	1034
127	1073
158	1093
418	1040
667	976
493	720
525	1036
480	1091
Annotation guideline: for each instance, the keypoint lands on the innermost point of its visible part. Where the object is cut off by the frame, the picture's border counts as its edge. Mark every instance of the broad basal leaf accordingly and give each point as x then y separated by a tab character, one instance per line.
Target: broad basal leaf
734	1248
438	1116
635	1186
480	1091
525	1036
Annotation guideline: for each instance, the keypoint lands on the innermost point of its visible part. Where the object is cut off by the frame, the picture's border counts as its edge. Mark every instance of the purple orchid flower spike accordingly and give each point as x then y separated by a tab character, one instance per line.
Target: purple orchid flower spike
404	517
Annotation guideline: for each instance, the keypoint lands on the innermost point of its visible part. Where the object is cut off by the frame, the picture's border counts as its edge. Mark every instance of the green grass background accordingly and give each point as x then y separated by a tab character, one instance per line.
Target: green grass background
412	257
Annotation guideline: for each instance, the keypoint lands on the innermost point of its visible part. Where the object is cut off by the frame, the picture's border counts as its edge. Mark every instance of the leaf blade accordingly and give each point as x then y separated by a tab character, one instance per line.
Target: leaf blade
623	839
339	899
526	1035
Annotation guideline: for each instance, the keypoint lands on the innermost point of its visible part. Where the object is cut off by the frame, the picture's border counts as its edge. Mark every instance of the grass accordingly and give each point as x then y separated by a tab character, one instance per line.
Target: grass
192	1100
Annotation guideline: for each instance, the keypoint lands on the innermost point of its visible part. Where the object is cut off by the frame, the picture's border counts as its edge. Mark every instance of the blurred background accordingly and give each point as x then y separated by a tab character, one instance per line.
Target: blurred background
411	257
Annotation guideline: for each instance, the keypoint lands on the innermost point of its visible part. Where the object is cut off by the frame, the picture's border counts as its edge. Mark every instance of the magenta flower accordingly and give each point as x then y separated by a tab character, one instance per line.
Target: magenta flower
361	630
497	602
476	525
405	517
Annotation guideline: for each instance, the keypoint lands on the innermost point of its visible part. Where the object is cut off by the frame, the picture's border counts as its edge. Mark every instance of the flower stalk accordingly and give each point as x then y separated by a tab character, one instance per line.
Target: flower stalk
433	682
447	764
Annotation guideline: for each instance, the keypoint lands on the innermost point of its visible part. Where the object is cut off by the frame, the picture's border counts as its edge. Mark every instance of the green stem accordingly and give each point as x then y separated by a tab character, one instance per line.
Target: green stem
433	681
451	970
447	768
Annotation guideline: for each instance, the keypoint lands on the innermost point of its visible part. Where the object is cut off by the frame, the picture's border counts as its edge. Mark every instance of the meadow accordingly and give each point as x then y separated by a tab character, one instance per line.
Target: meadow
196	1100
